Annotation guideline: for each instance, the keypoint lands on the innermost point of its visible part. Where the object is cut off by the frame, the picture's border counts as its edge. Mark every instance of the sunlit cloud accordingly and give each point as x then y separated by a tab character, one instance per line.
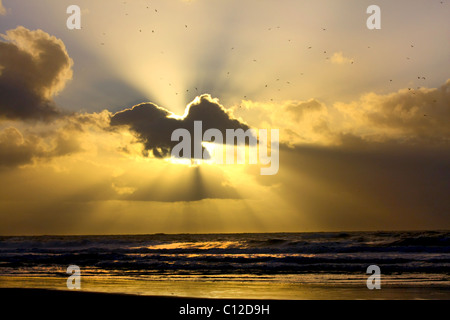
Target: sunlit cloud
408	116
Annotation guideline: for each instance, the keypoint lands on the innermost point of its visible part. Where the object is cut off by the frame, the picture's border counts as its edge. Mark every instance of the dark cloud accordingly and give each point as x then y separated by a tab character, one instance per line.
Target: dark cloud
14	149
34	66
154	125
18	149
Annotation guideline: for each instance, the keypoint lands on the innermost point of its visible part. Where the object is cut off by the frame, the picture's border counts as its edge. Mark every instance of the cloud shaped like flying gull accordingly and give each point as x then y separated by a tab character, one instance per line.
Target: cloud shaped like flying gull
154	125
34	66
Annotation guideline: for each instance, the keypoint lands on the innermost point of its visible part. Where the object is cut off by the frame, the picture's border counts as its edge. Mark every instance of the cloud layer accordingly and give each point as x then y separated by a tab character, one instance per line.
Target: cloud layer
18	148
34	66
411	116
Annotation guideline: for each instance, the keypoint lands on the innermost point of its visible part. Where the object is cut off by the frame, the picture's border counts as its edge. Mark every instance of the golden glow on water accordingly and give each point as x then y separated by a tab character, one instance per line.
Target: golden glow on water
197	245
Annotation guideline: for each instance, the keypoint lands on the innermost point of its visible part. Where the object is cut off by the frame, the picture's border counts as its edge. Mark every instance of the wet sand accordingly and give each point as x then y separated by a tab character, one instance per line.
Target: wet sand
235	289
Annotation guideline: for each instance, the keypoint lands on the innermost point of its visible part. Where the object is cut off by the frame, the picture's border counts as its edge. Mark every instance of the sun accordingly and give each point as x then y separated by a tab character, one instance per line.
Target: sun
211	149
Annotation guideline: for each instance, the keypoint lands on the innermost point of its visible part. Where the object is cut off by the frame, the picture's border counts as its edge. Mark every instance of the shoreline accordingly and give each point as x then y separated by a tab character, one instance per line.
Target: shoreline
245	292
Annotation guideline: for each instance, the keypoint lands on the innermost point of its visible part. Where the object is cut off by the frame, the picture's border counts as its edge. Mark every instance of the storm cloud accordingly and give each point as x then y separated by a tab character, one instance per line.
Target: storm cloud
34	66
154	125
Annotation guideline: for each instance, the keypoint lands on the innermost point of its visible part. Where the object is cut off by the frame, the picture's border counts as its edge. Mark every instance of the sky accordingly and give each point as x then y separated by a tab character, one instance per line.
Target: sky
86	115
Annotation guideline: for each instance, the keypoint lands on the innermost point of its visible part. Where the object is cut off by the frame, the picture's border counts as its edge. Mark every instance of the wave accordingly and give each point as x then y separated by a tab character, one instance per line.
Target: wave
425	252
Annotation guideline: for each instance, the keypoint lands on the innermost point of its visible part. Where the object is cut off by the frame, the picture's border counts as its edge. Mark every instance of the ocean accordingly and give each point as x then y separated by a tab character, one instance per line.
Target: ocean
265	265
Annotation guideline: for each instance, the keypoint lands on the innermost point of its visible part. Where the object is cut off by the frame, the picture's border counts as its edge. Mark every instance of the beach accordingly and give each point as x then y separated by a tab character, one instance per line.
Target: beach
206	289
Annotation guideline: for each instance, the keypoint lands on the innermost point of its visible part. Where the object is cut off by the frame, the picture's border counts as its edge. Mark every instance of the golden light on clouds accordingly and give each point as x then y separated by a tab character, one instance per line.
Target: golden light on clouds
86	118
